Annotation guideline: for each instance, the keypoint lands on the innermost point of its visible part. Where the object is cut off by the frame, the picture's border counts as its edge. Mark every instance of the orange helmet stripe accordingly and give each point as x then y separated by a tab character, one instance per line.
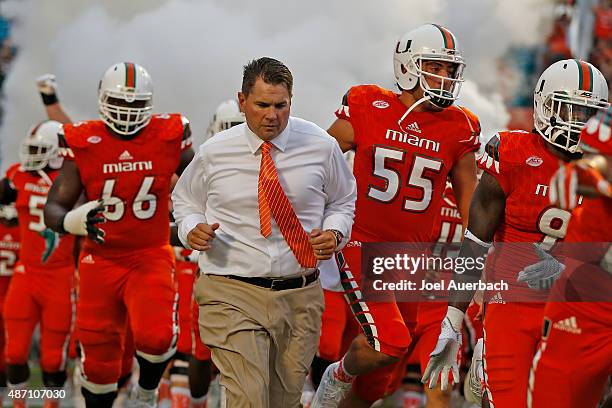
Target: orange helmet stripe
130	75
585	81
449	39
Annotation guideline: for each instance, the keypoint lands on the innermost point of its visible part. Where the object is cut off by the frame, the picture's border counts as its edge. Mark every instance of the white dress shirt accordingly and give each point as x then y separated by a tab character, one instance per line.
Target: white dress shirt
220	186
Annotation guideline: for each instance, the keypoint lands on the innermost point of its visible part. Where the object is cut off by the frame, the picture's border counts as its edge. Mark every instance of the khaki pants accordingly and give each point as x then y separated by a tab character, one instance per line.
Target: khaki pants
262	341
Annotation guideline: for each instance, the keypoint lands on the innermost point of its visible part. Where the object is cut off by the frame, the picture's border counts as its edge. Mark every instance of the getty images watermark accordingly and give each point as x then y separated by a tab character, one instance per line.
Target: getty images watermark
408	264
509	272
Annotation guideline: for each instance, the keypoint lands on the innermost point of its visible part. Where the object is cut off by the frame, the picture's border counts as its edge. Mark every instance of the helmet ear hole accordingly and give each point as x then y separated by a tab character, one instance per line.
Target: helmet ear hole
404	70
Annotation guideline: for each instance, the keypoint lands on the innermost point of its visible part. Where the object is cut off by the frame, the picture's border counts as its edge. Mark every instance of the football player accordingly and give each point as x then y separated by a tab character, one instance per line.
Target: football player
226	116
40	292
580	328
511	206
9	256
407	144
123	164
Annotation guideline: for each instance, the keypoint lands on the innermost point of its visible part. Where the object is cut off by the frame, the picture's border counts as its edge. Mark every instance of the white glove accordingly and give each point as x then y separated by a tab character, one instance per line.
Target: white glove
83	220
541	275
46	84
445	356
193	256
473	383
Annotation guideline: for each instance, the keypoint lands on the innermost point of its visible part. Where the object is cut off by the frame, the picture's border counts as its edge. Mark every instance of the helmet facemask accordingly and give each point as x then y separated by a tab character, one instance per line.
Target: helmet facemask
446	92
36	155
125	112
560	118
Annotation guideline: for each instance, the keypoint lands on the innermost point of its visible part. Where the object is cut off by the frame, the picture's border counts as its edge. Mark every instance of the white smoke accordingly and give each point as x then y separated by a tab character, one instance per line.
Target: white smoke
195	51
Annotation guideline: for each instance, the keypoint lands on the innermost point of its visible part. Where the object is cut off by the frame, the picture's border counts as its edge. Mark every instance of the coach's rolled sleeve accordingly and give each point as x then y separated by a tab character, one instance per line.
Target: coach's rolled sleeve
189	198
341	190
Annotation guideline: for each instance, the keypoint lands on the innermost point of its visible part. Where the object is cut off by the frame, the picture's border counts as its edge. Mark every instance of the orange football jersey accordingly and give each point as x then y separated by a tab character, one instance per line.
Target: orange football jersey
32	191
401	171
133	176
9	248
591	223
448	228
523	166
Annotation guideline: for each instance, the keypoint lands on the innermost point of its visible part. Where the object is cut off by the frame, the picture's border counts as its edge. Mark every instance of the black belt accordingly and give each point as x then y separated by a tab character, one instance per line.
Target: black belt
279	284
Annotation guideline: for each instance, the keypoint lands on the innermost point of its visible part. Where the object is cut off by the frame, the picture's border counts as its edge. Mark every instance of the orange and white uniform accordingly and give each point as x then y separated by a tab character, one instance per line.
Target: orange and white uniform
9	256
189	342
39	292
131	274
574	358
401	174
522	165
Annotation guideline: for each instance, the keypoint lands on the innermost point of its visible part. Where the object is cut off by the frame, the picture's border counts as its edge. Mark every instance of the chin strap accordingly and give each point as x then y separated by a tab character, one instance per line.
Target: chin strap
410	109
44	176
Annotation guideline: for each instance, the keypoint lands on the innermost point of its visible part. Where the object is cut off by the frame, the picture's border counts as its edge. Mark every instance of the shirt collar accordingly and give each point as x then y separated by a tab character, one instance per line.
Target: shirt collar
280	141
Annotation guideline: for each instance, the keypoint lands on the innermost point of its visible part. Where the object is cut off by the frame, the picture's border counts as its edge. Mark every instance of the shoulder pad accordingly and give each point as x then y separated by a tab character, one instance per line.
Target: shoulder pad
174	125
472	120
63	146
360	95
80	134
489	159
492	147
12	170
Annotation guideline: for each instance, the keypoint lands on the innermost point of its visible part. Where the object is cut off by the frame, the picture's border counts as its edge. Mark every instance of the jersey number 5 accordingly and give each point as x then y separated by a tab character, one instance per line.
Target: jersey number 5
416	178
143	206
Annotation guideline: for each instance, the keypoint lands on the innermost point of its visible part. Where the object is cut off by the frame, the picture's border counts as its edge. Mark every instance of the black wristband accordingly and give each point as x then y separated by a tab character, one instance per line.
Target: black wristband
48	99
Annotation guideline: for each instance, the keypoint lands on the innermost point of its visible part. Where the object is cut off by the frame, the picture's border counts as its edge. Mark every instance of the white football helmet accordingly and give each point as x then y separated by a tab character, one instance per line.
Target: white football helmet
121	88
226	116
40	148
428	42
568	93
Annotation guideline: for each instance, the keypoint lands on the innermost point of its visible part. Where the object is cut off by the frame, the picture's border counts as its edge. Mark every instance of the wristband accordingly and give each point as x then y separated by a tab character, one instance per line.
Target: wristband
468	235
49	99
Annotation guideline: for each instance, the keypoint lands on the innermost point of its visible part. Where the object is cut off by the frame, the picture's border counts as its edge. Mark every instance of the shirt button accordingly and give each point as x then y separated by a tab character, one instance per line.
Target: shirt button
274	260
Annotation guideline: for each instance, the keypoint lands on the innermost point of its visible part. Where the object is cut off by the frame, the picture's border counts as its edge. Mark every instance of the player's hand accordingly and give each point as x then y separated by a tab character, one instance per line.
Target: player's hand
323	243
444	359
201	236
46	84
84	220
541	275
52	240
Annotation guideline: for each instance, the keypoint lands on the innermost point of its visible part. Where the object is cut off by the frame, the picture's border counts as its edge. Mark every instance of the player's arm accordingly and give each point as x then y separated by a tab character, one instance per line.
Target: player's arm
47	87
464	180
60	215
187	153
342	131
63	195
486	212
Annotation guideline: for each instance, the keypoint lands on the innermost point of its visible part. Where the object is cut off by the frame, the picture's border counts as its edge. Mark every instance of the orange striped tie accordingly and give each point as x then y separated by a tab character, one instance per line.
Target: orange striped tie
272	200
